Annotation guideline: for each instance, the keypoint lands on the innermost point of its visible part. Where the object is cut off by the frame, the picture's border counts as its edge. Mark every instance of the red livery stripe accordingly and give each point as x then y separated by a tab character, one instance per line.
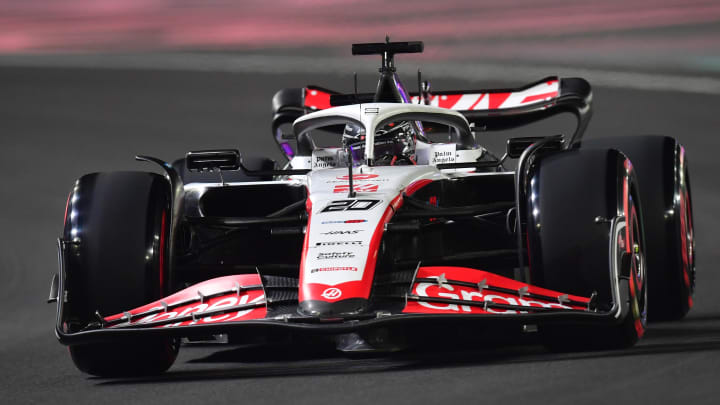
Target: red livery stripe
496	100
537	97
416	185
301	292
448	101
316	99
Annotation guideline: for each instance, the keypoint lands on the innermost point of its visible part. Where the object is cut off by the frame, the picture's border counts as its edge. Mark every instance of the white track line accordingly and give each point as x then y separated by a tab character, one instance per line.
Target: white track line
270	64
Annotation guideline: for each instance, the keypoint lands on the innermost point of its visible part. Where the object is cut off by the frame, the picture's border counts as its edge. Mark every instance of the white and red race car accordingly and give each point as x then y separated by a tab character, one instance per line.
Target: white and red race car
390	225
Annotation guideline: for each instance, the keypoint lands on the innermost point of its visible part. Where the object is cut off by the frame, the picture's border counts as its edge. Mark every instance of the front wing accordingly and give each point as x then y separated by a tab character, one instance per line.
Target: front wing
255	304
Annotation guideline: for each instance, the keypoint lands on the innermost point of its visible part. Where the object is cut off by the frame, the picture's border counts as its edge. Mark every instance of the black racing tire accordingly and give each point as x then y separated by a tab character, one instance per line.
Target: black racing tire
575	197
117	227
126	358
662	171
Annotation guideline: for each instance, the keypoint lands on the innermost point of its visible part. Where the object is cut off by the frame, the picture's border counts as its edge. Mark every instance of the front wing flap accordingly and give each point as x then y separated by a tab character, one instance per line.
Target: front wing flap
240	304
470	291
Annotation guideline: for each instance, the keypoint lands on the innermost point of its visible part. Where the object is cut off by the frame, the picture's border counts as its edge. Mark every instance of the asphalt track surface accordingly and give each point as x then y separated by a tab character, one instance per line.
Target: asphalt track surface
57	124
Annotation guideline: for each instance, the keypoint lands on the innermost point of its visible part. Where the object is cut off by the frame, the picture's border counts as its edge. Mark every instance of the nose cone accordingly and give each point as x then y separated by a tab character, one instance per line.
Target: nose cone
339	309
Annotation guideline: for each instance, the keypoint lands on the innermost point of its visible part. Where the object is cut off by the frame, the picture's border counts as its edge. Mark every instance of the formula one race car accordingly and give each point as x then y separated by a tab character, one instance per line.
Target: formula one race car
390	226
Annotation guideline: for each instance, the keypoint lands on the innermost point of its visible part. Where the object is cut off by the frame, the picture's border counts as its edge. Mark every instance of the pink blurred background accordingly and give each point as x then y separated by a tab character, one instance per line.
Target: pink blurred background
670	34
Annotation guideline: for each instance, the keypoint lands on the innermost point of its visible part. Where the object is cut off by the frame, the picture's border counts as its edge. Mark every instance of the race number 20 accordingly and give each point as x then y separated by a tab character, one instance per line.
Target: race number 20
350	205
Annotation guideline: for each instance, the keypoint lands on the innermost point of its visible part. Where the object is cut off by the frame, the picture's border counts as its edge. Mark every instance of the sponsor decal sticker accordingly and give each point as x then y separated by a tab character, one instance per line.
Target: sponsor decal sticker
339	243
335	255
442	153
319	269
222	302
466	294
347	221
360	188
358	177
322	162
332	293
324	158
353	232
366	176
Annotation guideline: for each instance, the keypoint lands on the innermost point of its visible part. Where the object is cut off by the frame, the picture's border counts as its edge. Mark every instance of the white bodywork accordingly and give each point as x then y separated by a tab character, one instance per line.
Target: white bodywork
370	115
338	247
339	252
343	233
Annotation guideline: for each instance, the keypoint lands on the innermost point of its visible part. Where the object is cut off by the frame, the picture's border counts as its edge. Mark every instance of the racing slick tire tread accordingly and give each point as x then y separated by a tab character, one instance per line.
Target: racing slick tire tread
658	162
118	223
570	250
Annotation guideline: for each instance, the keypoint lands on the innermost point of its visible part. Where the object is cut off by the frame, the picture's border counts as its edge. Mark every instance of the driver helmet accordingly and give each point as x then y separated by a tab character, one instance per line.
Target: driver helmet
394	142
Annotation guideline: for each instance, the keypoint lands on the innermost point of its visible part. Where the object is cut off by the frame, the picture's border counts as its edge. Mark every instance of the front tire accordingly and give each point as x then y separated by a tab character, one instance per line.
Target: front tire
117	228
662	171
576	198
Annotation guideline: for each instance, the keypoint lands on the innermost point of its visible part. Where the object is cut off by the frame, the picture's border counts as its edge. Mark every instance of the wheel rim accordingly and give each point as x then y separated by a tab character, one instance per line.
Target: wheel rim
687	236
633	247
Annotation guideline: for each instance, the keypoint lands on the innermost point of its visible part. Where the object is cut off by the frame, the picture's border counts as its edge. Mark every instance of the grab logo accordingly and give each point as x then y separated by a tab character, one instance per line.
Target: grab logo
198	309
466	294
331	293
358	177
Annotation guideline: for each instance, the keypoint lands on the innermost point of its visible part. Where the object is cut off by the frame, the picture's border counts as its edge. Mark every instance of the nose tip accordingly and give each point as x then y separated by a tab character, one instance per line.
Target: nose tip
338	309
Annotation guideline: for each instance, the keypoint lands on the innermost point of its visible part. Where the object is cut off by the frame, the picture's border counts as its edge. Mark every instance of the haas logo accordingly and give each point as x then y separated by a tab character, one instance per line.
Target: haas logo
331	293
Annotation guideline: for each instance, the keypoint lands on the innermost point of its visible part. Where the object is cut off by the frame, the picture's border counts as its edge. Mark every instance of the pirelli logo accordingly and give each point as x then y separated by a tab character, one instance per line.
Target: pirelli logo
340	243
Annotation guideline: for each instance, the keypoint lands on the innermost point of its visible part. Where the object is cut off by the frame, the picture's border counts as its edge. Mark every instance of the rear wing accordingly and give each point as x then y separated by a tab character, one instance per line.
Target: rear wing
496	99
501	109
488	110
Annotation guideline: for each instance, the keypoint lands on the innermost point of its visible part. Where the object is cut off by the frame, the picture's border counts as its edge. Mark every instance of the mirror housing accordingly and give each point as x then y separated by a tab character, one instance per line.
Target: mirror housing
516	146
220	159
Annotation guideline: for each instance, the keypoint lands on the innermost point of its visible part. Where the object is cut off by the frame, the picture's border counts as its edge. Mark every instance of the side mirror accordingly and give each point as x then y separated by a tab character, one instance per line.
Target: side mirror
198	161
516	146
